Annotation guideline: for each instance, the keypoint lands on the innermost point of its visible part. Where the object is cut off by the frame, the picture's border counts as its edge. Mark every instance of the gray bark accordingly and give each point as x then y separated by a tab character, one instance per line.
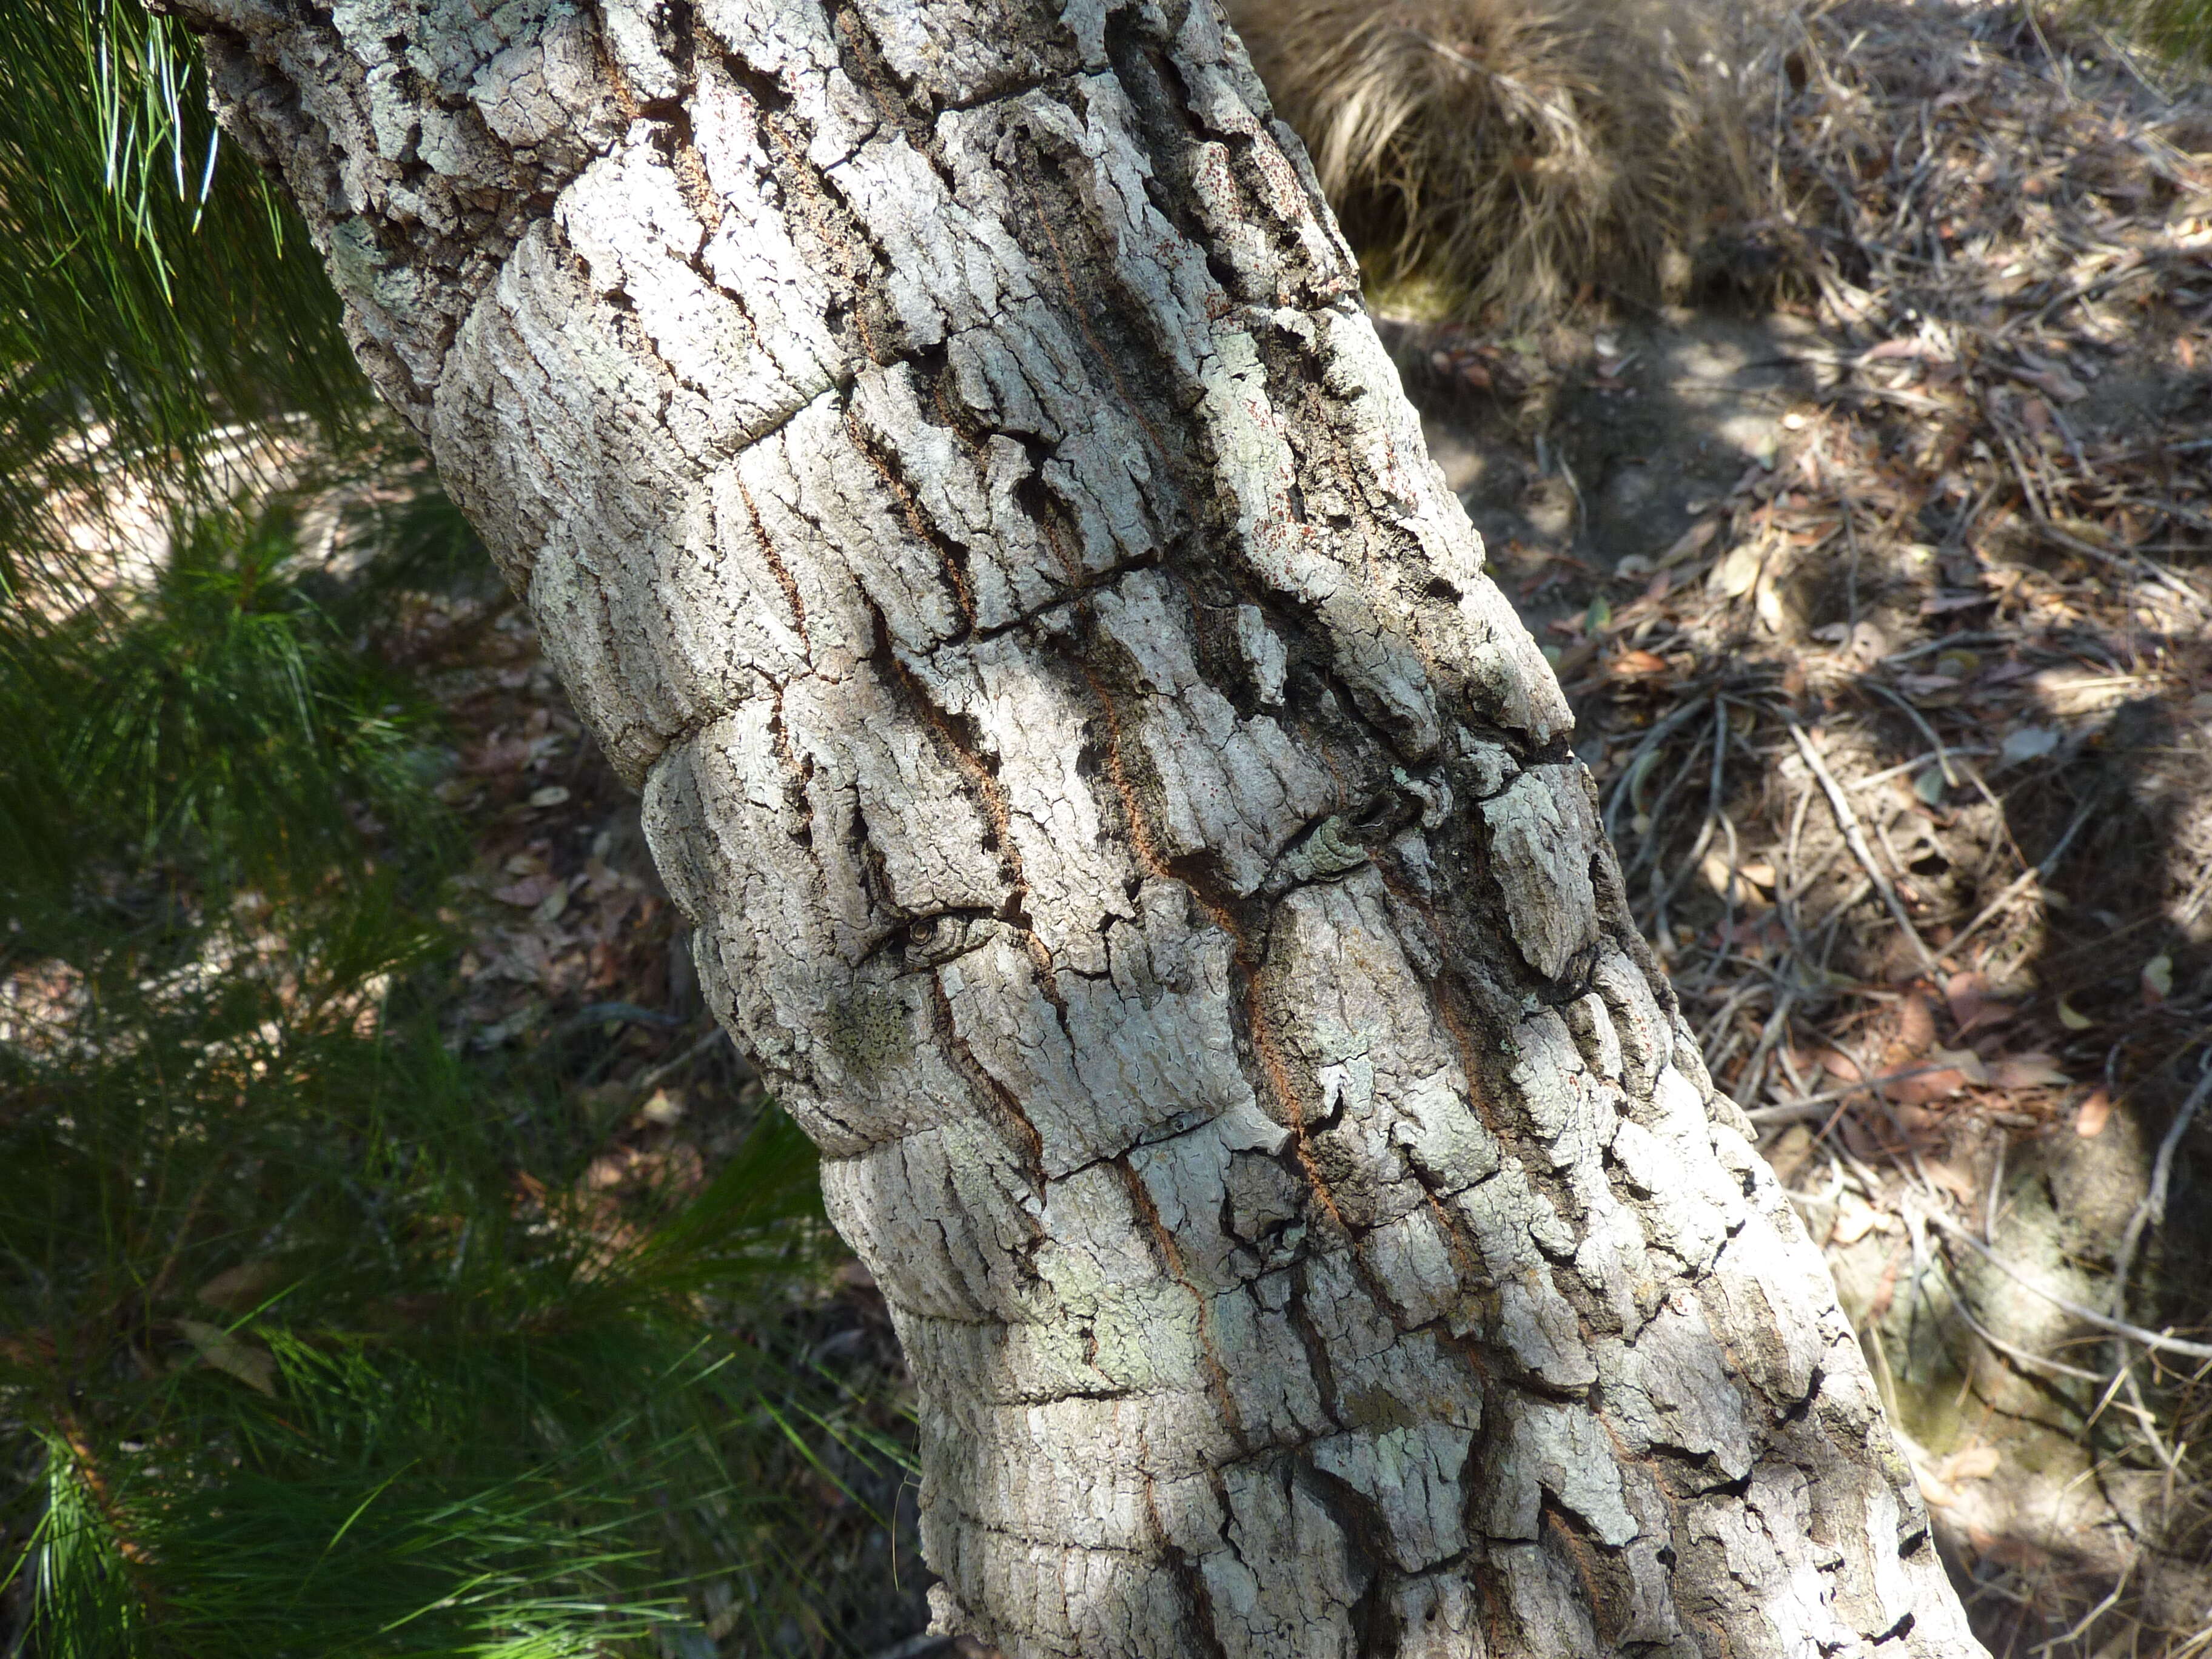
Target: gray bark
945	456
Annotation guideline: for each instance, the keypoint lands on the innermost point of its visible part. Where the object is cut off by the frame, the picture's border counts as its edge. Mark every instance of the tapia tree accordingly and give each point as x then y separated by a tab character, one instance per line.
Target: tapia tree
944	453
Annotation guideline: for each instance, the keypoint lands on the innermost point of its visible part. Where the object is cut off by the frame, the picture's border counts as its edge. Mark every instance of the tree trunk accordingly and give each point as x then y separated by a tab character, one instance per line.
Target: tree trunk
944	450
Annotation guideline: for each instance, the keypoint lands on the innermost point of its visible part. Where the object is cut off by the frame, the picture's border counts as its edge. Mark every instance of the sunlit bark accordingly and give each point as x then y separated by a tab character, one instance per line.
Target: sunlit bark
944	452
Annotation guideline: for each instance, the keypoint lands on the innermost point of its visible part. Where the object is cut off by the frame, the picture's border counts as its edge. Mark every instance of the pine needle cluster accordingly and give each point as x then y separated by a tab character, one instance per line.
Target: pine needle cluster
312	1340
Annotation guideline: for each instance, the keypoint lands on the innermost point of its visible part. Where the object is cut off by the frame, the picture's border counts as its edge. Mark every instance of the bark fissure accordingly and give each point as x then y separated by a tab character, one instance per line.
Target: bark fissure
943	450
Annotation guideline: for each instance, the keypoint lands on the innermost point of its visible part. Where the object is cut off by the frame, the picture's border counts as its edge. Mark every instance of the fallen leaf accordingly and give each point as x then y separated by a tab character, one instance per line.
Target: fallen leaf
2072	1018
2028	742
1791	1151
1933	1491
1965	1061
1719	873
234	1289
2026	1072
2093	1114
1737	573
255	1367
1691	542
552	796
1974	1463
1767	599
1950	1180
1972	1006
1855	1219
2158	979
1637	665
1916	1027
2055	382
1918	1087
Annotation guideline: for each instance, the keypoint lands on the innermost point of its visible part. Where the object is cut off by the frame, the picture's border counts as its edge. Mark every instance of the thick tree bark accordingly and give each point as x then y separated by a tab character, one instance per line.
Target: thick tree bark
942	447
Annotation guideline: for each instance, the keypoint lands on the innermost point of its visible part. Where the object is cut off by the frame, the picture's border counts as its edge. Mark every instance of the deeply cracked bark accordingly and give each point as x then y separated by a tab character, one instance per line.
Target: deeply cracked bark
945	456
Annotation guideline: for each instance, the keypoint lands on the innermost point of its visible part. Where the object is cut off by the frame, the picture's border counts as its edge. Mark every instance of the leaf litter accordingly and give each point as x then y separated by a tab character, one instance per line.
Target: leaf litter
1902	728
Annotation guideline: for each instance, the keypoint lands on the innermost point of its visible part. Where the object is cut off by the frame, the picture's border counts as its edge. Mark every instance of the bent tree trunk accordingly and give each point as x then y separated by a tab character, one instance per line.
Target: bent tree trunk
943	449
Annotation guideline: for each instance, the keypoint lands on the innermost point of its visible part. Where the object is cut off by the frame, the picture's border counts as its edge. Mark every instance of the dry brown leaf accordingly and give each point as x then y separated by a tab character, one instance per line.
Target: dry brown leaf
1839	1065
1973	1004
1691	542
2026	1072
234	1289
1738	571
1855	1219
1791	1151
1950	1180
2157	979
1971	1463
255	1367
1965	1061
1915	1028
1933	1492
1918	1087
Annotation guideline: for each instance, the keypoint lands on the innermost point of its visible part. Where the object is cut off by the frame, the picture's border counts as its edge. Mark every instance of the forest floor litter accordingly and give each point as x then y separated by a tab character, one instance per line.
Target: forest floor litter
1883	605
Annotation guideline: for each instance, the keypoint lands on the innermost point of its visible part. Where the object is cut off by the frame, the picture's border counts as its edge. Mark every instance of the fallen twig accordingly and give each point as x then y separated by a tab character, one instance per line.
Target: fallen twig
2151	1212
2156	1341
1854	837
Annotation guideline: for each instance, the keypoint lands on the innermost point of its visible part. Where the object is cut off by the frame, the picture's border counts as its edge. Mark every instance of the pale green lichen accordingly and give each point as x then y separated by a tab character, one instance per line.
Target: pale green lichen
868	1031
1328	853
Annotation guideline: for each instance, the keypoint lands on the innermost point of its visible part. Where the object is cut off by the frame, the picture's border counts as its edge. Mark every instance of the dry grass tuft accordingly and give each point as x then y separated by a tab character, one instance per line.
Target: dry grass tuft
1509	157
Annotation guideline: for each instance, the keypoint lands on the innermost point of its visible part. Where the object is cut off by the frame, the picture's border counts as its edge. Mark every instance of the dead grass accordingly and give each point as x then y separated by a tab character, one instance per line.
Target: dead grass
1508	156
